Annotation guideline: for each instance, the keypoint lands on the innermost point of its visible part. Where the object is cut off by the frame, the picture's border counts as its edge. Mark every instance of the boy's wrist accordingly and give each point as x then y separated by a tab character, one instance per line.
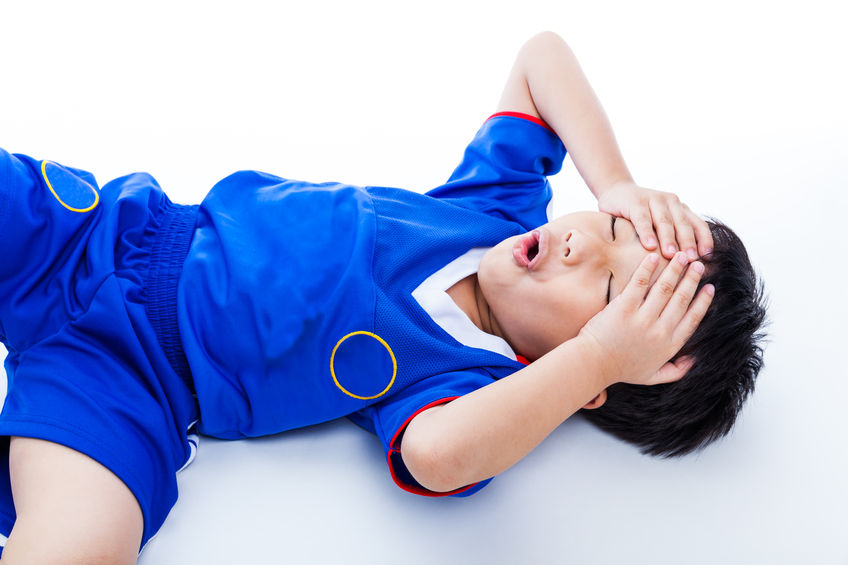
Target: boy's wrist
613	184
591	360
596	360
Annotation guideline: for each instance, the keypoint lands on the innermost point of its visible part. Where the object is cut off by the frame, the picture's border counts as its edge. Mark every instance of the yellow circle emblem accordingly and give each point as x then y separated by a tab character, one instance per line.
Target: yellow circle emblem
70	190
359	358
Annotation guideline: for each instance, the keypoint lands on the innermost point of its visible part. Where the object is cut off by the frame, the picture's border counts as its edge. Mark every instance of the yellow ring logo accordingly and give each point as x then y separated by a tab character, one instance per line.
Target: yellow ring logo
62	202
333	370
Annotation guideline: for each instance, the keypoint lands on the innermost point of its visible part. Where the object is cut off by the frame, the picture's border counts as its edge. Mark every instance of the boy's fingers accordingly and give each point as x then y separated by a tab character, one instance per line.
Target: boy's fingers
672	371
663	289
665	229
702	234
684	231
641	221
696	312
679	303
636	288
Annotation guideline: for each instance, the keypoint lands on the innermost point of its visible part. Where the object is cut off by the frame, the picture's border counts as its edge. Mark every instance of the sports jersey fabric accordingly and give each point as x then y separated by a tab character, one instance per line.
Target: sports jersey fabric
295	301
274	304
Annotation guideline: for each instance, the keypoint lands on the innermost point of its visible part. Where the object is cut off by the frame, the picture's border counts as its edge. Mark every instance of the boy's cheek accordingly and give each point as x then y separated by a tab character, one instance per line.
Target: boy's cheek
501	252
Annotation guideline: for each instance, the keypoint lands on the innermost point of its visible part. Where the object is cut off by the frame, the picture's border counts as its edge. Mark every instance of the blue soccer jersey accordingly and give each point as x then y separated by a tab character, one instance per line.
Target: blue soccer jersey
295	301
272	305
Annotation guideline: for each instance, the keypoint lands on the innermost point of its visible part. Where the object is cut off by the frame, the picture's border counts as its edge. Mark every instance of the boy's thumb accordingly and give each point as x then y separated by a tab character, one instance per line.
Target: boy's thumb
673	371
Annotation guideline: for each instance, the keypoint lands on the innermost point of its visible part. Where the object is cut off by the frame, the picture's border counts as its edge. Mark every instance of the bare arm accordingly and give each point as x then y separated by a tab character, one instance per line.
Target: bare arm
487	431
546	81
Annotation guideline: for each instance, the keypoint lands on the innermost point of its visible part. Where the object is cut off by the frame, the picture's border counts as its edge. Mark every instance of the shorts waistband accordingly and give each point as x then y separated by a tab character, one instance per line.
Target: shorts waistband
169	248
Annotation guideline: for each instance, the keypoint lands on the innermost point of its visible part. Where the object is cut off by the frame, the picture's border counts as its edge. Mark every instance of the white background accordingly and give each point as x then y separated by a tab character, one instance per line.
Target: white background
737	106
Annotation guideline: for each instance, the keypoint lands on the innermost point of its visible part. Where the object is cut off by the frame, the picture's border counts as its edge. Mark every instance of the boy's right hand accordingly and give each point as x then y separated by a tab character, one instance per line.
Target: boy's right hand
645	326
658	215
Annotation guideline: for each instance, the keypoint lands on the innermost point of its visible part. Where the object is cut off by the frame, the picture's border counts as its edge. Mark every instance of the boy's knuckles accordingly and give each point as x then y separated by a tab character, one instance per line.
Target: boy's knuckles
683	299
662	215
642	282
665	288
684	230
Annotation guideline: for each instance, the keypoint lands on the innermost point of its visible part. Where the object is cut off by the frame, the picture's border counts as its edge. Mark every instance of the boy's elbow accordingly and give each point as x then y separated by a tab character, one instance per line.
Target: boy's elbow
547	35
543	50
545	40
431	464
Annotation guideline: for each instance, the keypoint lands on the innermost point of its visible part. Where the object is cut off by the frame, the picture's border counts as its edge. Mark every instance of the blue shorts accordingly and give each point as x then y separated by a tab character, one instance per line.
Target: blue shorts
88	315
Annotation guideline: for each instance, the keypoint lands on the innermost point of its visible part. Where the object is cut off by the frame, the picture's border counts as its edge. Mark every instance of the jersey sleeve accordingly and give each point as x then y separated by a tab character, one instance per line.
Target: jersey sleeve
504	170
388	420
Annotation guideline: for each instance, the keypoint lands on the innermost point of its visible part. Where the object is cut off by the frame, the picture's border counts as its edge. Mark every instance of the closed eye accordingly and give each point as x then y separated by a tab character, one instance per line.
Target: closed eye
609	284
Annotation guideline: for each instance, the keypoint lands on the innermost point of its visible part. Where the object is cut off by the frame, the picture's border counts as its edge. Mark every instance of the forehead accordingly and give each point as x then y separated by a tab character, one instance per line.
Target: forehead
583	217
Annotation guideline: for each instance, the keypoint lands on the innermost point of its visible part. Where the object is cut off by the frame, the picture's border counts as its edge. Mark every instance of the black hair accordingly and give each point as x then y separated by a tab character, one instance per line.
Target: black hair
678	418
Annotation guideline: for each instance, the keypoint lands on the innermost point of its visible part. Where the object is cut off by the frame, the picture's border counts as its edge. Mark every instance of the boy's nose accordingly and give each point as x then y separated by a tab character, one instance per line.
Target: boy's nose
577	246
572	247
566	244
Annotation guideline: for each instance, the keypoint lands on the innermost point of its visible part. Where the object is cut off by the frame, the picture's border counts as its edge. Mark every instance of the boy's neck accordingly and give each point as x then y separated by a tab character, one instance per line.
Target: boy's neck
467	295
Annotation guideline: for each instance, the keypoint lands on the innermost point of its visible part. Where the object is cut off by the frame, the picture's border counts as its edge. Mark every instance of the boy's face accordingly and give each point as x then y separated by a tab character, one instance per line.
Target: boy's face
543	286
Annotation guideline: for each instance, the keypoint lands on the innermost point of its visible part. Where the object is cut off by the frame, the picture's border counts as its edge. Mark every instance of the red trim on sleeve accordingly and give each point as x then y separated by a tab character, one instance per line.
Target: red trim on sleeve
395	450
524	116
521	359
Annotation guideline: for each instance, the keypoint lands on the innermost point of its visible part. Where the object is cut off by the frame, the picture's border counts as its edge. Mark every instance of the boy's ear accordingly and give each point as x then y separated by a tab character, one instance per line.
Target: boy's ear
598	401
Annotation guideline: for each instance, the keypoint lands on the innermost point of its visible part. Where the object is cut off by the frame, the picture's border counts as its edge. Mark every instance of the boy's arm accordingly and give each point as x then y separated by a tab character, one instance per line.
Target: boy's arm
546	81
488	430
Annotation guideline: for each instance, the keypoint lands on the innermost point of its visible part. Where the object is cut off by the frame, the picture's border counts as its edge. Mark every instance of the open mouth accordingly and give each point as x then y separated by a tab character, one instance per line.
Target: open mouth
528	249
533	251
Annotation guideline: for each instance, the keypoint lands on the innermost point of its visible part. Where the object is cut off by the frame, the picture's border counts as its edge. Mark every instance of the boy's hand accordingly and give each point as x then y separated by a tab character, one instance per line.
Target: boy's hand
649	210
645	326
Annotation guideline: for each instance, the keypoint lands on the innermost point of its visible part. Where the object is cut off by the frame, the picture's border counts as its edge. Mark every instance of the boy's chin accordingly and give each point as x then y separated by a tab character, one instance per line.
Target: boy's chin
500	257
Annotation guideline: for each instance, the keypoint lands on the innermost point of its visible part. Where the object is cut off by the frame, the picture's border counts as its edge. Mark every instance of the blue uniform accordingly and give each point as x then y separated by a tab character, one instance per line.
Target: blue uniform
275	303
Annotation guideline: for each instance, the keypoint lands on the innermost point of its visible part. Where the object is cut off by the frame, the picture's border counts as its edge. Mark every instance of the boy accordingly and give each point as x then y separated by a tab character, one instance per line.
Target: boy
274	304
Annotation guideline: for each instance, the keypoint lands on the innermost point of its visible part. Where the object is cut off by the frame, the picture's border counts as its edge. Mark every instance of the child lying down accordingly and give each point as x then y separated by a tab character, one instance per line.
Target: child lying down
460	326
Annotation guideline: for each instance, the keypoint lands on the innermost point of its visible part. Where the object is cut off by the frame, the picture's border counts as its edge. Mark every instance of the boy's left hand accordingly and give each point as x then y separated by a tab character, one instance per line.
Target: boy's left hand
658	215
646	325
